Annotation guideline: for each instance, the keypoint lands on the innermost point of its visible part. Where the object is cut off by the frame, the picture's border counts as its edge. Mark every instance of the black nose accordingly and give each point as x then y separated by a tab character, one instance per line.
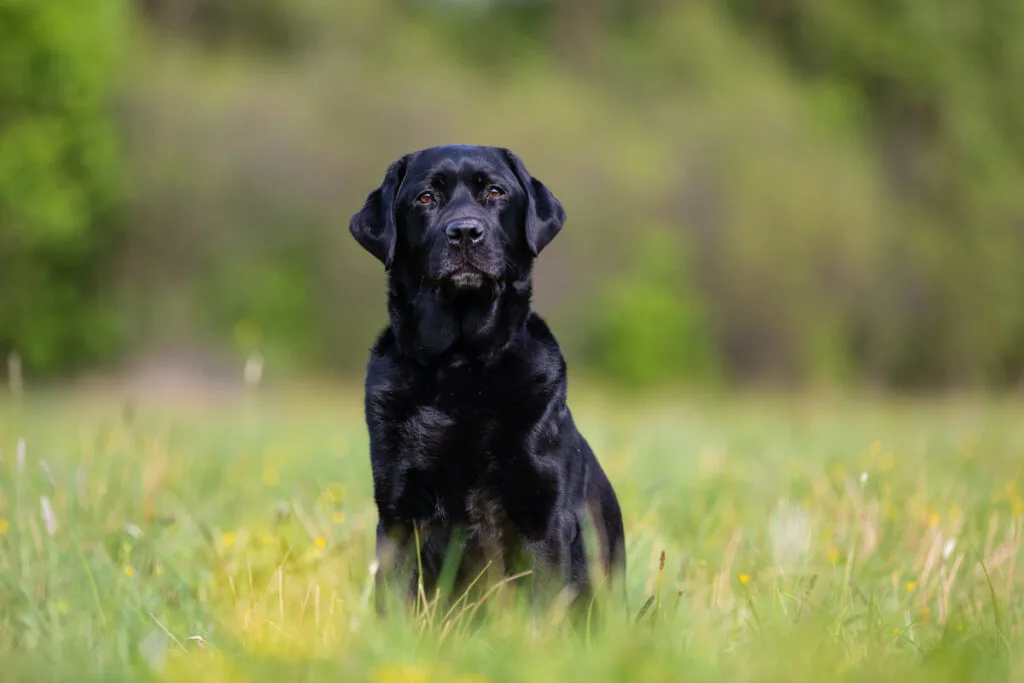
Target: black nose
464	231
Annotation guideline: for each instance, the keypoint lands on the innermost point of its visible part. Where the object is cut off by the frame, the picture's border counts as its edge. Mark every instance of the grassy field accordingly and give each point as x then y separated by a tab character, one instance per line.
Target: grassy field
779	540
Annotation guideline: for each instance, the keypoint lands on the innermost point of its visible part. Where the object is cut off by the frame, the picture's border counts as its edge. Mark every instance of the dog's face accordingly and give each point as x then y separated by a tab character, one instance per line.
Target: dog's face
458	217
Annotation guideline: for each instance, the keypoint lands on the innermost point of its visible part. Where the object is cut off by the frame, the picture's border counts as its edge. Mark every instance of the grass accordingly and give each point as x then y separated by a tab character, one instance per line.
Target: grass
768	539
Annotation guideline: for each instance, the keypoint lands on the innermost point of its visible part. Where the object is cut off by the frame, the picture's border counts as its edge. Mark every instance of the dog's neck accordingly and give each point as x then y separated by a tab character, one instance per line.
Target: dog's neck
430	323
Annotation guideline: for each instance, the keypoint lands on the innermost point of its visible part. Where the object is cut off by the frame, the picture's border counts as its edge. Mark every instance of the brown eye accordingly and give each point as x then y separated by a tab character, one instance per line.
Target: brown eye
495	191
425	197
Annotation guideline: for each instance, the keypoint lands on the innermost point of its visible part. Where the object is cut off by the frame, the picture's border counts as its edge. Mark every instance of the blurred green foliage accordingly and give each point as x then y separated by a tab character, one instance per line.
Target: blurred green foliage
60	177
839	181
650	327
947	125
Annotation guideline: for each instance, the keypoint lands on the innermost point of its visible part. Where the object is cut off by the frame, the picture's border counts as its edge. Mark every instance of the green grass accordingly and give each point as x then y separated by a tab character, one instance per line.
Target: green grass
802	540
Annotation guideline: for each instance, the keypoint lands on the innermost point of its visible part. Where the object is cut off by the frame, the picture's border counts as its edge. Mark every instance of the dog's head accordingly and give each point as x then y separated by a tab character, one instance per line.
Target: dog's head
458	218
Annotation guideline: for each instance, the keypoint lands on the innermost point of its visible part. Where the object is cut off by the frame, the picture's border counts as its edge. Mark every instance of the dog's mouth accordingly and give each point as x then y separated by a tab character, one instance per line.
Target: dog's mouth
466	283
461	270
466	277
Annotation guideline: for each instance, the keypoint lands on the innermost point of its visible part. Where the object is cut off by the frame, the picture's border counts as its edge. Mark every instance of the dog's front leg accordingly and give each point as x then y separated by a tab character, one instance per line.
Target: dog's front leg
558	562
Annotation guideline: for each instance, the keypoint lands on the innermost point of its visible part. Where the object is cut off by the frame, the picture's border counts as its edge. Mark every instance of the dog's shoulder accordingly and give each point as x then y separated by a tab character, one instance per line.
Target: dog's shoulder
384	344
538	329
384	374
542	353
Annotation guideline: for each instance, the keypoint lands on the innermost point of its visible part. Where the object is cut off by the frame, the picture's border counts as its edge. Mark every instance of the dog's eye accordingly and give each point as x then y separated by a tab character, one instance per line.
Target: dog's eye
425	197
495	191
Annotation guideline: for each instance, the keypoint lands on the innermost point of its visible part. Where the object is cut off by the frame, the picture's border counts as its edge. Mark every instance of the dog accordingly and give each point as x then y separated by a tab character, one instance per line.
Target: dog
477	462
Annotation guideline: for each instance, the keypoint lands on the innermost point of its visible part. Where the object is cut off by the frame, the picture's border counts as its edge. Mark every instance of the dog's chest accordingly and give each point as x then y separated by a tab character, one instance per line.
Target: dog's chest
462	446
456	463
458	444
459	413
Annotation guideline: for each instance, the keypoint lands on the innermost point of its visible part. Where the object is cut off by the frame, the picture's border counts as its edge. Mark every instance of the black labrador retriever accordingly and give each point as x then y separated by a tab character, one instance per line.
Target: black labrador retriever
473	448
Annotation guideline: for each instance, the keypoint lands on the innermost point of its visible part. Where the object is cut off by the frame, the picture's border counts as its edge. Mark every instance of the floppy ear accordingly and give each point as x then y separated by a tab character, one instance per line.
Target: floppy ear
373	226
544	213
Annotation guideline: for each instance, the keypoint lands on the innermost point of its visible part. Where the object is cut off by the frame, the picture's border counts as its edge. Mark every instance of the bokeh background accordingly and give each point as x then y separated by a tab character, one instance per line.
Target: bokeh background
784	192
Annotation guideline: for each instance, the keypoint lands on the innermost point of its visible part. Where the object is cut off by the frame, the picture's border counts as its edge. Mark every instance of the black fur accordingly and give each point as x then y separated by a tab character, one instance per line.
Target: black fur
473	447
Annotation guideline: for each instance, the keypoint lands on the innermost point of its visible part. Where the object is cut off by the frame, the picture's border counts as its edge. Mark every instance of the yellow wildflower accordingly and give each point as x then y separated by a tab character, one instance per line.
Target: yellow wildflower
886	462
336	492
956	513
129	571
400	673
227	539
321	542
5	526
744	578
911	586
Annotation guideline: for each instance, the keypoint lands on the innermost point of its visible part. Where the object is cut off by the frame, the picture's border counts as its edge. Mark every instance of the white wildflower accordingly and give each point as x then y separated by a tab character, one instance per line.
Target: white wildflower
863	479
789	529
253	369
45	467
948	549
49	518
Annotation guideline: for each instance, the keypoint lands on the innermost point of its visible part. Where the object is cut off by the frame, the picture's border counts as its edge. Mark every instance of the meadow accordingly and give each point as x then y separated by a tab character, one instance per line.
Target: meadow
769	538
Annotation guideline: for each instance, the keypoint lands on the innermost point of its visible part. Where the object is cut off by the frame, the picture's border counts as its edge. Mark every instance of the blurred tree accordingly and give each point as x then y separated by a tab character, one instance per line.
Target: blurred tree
844	176
269	25
946	117
650	327
60	177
